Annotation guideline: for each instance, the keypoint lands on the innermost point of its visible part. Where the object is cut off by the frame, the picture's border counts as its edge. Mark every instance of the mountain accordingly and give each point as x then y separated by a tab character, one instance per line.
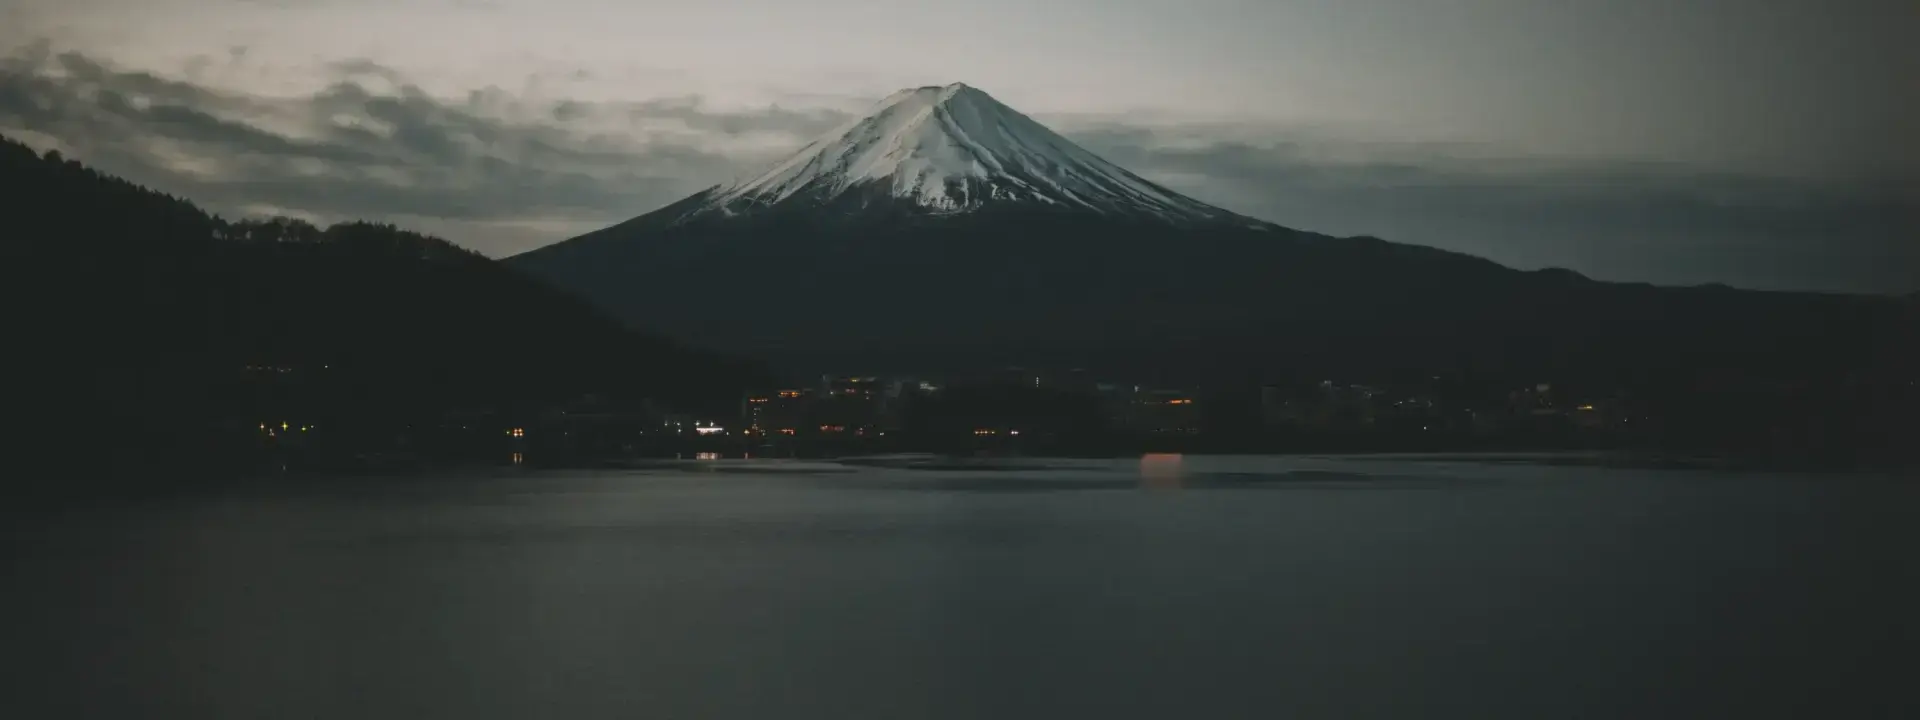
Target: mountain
137	317
948	150
947	231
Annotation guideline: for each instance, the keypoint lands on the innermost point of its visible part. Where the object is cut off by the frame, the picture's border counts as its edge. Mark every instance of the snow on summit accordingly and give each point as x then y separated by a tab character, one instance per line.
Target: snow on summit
954	149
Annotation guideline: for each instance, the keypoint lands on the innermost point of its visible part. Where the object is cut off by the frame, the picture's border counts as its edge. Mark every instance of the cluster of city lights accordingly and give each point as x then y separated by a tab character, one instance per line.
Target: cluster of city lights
271	431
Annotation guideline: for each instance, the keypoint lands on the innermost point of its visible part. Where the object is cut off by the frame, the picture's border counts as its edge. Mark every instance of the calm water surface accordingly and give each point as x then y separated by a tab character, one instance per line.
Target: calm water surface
1155	588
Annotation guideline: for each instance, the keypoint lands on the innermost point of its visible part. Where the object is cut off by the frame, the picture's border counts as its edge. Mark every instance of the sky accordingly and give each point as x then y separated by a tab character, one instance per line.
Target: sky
1757	143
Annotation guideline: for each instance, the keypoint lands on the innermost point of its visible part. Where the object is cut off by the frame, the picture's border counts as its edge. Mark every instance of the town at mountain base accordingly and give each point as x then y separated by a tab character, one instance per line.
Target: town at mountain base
945	232
158	345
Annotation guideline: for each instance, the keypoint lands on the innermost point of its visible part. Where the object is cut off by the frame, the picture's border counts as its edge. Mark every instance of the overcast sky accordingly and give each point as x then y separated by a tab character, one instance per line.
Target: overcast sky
1762	143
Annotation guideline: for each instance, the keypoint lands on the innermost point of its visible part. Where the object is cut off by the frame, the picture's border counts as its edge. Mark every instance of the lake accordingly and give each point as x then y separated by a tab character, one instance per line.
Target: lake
1160	587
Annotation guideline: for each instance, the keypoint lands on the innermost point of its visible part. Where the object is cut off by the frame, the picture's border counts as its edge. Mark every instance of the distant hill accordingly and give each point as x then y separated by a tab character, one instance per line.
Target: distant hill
135	316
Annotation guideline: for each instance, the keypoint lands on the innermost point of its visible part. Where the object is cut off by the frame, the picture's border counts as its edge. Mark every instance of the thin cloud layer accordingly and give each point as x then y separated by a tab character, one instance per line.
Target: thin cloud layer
503	173
371	145
1617	220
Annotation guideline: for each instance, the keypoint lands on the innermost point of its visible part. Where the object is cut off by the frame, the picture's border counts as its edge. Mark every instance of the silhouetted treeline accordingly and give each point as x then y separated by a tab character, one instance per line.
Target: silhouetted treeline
134	318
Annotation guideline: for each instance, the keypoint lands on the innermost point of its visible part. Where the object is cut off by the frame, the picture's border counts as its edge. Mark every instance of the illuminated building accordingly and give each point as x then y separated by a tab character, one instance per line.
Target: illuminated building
769	413
1163	412
849	386
847	402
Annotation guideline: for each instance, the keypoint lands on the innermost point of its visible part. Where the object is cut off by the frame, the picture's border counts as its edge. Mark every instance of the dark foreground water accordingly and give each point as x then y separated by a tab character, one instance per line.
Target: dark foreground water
1160	588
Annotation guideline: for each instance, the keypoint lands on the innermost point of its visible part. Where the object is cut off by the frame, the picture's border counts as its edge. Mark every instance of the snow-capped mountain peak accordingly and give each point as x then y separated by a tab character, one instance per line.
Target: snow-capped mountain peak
953	149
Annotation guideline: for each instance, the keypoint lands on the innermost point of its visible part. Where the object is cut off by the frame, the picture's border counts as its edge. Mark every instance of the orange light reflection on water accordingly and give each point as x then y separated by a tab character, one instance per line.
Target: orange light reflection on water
1161	471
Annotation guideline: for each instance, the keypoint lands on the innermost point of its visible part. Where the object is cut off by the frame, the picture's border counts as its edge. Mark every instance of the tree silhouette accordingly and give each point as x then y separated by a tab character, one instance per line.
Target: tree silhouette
137	316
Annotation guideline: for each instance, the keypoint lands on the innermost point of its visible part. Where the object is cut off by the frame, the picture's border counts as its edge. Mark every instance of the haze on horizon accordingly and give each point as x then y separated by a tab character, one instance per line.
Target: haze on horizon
1759	144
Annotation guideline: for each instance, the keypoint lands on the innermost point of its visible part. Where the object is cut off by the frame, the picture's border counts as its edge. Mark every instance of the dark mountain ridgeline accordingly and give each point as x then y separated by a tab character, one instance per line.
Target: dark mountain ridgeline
1078	291
136	315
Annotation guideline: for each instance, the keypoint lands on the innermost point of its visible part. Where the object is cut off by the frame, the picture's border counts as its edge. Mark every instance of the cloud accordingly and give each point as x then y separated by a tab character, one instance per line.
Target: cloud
372	145
1613	219
504	172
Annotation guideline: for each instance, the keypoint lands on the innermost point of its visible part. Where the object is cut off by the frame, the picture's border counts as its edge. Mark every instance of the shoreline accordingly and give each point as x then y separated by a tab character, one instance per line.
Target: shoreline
835	463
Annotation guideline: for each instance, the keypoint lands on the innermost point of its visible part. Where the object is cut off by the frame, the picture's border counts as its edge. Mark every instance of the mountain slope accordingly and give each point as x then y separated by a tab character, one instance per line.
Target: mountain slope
138	314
